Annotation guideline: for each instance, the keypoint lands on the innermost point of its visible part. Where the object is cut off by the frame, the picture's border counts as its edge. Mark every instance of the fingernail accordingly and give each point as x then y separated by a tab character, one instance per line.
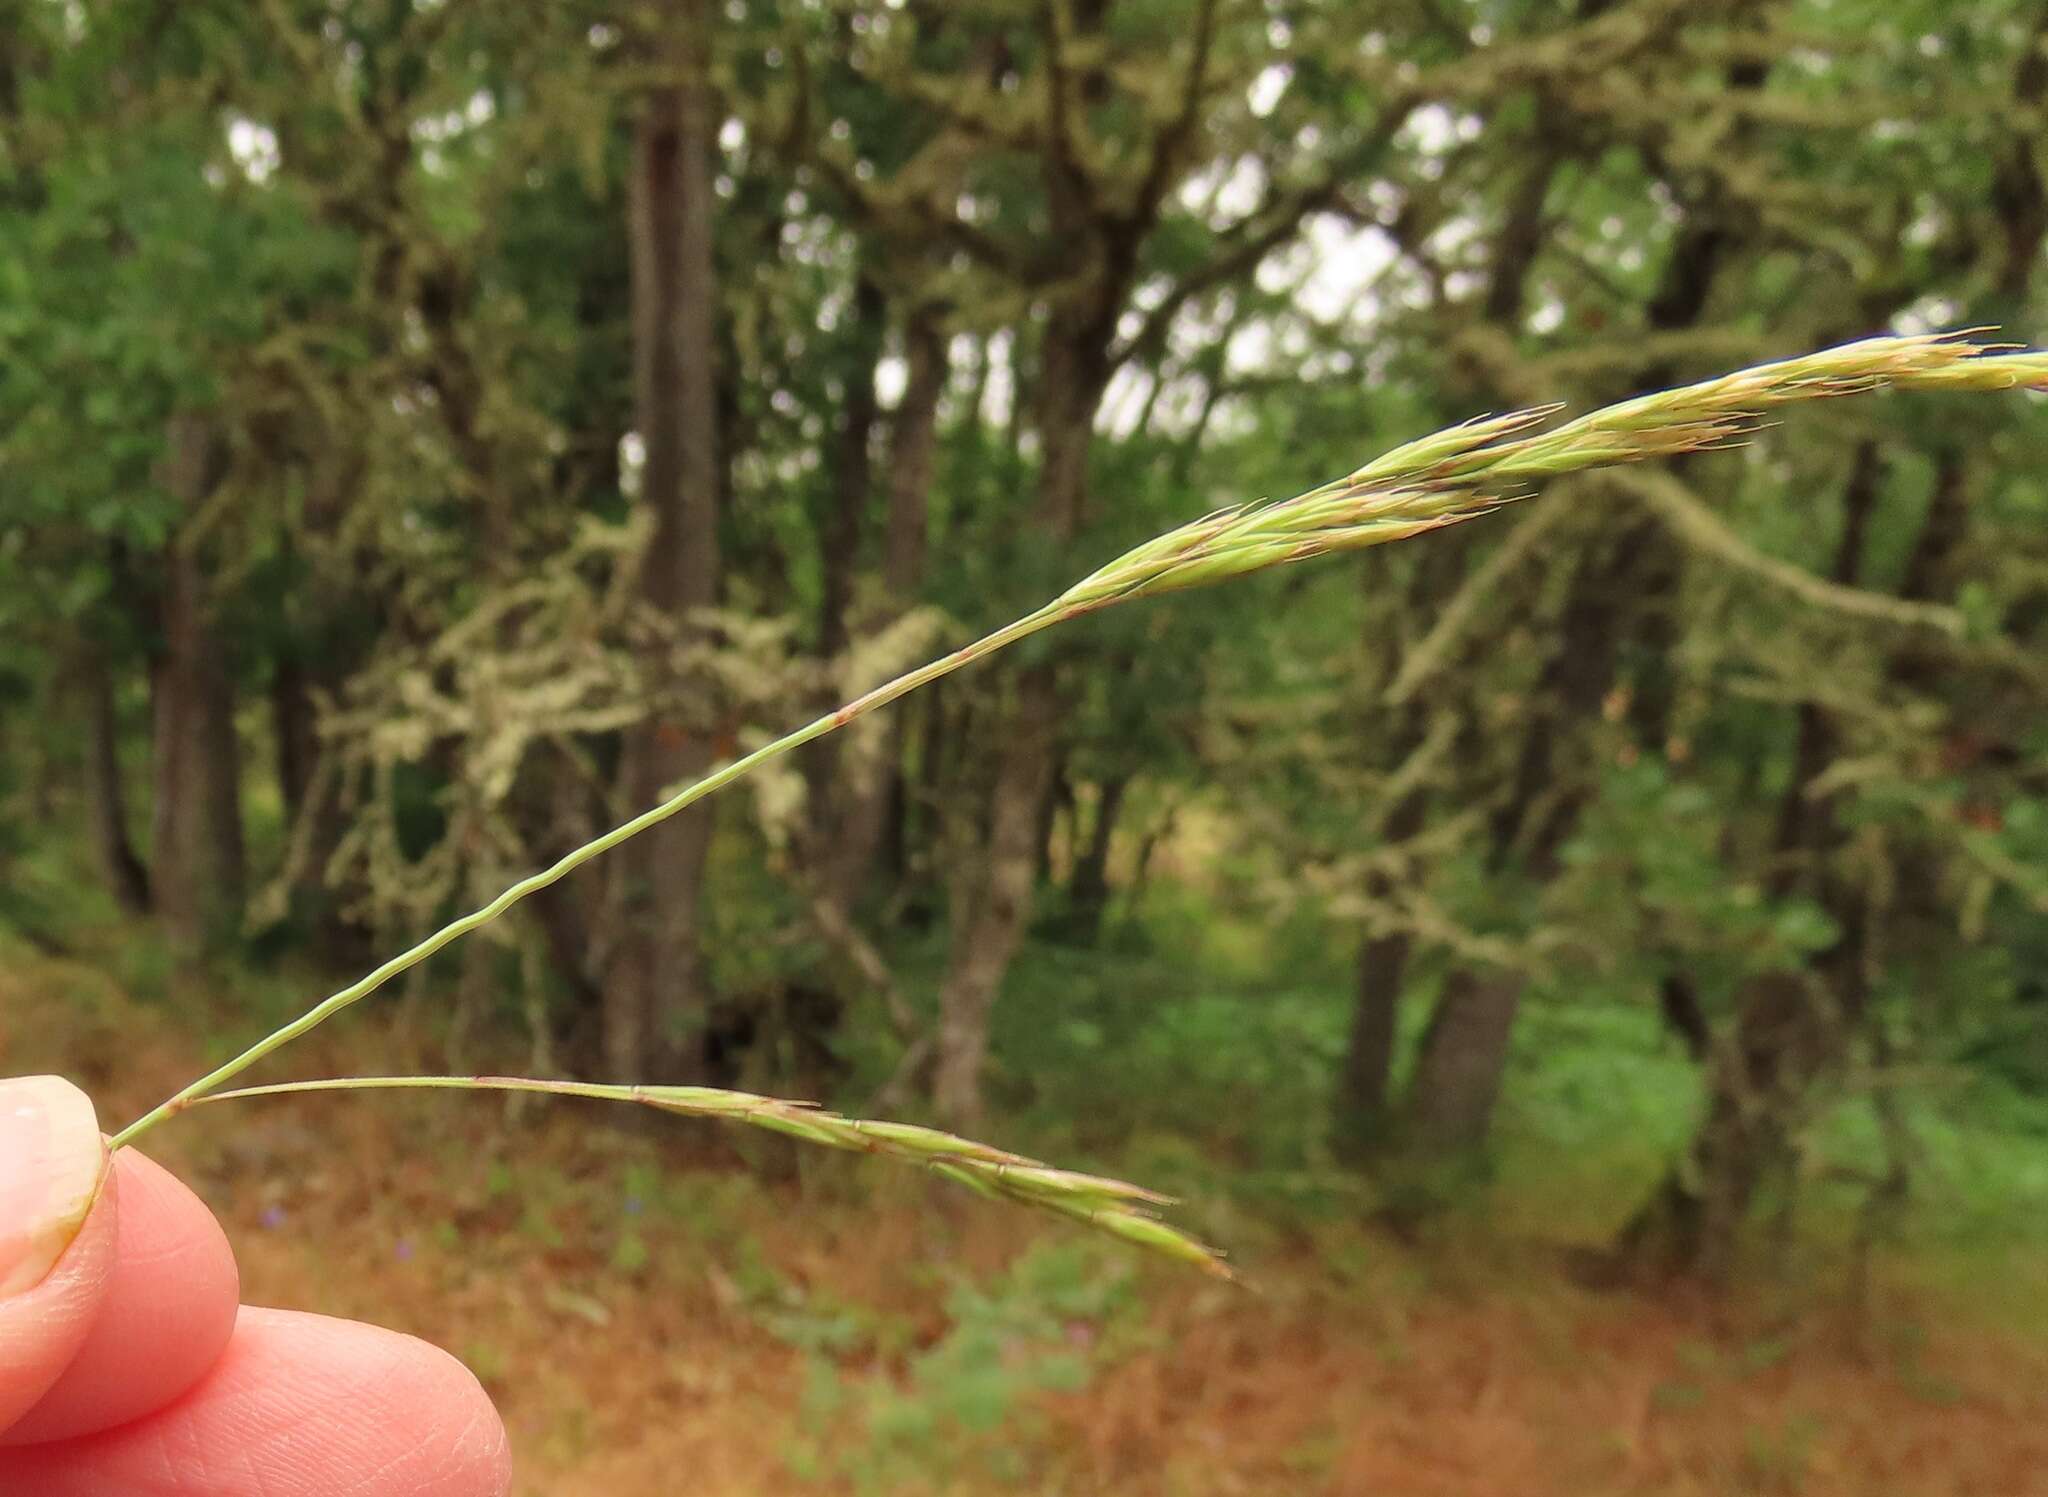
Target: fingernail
51	1160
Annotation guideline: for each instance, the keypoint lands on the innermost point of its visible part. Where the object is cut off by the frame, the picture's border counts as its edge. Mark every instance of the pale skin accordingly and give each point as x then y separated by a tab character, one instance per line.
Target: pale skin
129	1367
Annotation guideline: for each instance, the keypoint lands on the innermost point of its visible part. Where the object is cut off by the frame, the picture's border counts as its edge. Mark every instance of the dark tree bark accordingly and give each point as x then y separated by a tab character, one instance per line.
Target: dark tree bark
106	797
873	782
852	470
1095	234
655	988
1362	1107
2018	193
313	808
1367	1071
1092	269
197	812
1368	1067
914	445
292	726
989	923
1452	1095
825	794
1464	1055
1057	796
1088	891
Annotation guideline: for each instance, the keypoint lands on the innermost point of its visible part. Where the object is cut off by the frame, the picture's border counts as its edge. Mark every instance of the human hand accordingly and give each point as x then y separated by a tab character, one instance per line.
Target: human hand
126	1367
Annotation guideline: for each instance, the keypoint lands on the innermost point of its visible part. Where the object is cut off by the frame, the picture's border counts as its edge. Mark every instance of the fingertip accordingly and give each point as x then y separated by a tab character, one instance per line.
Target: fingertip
165	1315
60	1218
52	1162
417	1407
300	1404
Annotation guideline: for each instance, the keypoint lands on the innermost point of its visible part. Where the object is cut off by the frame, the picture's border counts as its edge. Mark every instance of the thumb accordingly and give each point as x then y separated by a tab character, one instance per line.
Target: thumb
56	1234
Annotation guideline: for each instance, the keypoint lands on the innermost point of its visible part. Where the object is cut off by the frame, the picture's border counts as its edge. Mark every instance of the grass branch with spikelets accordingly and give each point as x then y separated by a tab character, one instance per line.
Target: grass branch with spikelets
1443	479
1113	1206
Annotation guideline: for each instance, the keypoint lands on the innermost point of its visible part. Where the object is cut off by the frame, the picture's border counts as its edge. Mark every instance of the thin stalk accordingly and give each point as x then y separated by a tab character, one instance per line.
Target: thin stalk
717	780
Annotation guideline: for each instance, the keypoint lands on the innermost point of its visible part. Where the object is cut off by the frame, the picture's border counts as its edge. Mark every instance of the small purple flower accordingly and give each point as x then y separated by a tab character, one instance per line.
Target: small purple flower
272	1218
403	1251
634	1205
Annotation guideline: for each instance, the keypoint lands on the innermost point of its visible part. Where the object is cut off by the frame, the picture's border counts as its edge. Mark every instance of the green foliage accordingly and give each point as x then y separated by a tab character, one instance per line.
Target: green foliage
961	1408
1652	858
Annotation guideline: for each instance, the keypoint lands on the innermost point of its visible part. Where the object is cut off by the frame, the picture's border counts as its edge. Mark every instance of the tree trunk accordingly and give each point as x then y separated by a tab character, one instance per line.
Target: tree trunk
872	780
654	991
1451	1098
1361	1113
197	812
1464	1055
852	472
1088	892
852	468
313	810
1368	1066
914	447
1101	247
1790	1027
1692	1225
291	720
1055	797
989	925
106	797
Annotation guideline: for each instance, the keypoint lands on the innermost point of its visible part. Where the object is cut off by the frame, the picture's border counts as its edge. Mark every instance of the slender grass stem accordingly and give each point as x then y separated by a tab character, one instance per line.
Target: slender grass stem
717	780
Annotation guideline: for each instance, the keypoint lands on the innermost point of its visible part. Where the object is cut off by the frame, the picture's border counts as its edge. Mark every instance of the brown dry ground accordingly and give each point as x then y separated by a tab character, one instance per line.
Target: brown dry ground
1351	1365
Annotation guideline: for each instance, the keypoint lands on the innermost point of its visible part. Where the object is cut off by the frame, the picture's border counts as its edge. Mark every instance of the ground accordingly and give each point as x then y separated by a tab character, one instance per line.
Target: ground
672	1310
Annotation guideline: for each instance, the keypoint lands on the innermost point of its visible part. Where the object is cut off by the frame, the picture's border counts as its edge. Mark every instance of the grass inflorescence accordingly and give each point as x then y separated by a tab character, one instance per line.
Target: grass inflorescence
1470	470
1113	1206
1443	479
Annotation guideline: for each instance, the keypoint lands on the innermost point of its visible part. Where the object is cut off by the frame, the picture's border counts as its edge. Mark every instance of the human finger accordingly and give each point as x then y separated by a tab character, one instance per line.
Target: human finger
300	1404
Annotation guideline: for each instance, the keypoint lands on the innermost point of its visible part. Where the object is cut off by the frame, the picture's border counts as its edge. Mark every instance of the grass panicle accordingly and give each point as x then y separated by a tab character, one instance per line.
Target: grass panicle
1442	479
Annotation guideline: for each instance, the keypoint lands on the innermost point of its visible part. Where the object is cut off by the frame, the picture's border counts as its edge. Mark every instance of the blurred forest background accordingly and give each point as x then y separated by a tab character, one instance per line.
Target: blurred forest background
1591	966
